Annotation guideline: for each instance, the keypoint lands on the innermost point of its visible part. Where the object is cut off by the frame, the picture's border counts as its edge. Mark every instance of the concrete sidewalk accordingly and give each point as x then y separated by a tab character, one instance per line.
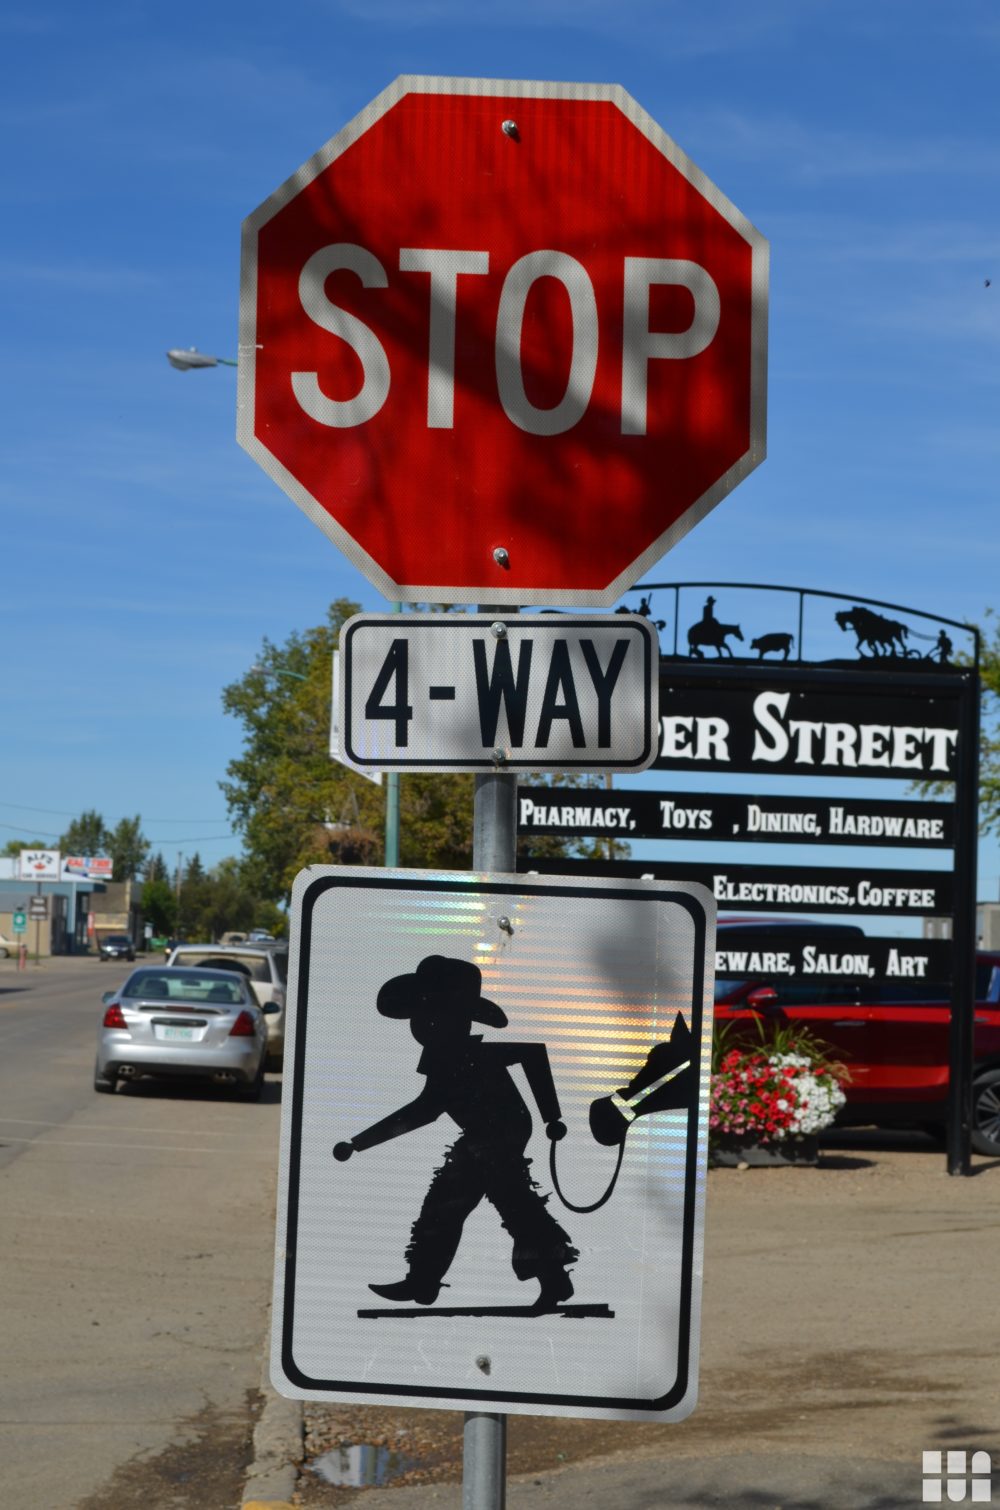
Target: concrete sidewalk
849	1324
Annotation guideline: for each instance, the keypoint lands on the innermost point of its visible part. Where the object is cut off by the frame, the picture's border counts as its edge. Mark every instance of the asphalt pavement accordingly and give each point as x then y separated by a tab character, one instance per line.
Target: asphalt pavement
136	1249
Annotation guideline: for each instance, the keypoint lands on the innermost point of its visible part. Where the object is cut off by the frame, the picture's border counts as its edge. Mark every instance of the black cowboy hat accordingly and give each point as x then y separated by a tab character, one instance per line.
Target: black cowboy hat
454	984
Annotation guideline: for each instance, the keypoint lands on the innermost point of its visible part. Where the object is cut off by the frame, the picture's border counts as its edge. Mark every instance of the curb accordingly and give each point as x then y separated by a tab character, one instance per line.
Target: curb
277	1449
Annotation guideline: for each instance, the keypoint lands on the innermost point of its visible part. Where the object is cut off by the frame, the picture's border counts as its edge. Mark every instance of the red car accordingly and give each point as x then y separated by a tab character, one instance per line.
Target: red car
892	1037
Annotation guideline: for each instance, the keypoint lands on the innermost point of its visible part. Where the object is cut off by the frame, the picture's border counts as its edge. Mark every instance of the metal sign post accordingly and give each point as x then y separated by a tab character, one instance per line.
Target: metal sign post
494	847
387	474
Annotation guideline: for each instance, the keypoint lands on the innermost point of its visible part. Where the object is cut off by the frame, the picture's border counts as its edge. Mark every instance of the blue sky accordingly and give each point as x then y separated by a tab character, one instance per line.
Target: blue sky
147	555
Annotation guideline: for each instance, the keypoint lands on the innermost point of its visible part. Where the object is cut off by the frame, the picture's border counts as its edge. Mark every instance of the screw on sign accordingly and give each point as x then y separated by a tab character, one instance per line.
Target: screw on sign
503	341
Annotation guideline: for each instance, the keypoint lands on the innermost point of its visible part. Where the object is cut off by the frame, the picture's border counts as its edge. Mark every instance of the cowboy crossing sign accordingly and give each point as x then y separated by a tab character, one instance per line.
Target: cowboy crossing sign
490	1194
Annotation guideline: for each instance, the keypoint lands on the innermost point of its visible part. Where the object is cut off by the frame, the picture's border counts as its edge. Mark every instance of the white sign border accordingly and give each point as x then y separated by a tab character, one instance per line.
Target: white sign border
448	764
287	1379
493	592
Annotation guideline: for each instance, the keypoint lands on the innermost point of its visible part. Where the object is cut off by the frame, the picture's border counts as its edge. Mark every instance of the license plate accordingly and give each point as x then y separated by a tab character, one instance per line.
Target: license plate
186	1033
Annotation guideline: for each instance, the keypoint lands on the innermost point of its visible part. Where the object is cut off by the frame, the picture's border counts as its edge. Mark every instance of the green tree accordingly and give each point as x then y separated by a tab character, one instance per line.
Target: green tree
13	847
155	868
86	835
989	735
192	899
159	905
989	730
128	847
294	806
229	905
283	789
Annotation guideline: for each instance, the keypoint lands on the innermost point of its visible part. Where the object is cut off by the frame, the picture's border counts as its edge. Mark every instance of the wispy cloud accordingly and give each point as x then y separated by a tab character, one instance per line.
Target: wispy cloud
804	153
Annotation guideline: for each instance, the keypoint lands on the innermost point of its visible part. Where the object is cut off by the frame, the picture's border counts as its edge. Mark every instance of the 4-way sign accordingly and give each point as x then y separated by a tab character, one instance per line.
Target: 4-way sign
503	342
472	692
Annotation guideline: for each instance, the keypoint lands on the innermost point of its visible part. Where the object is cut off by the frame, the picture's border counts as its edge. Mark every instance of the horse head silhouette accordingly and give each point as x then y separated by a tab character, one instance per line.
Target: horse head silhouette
665	1081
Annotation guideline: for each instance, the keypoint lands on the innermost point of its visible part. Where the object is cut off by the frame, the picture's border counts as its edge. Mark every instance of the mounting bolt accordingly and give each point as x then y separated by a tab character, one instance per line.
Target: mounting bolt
499	756
501	557
483	1363
509	128
498	630
505	925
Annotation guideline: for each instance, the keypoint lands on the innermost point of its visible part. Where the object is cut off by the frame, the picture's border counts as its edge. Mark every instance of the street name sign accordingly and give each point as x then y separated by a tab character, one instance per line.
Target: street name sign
784	722
473	692
493	1143
503	342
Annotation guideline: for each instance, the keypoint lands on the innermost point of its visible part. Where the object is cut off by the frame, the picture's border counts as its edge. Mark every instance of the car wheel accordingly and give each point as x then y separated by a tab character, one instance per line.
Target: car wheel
3	953
104	1083
986	1114
252	1092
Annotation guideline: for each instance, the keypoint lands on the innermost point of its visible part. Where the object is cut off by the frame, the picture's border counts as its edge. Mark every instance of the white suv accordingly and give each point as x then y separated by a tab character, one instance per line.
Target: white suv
266	968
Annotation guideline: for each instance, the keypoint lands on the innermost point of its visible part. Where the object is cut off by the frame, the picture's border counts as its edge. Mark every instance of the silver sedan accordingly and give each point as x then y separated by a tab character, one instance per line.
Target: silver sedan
172	1022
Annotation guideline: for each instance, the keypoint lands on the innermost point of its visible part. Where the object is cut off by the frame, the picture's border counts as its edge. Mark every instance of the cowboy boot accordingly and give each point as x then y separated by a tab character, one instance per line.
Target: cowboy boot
557	1287
420	1288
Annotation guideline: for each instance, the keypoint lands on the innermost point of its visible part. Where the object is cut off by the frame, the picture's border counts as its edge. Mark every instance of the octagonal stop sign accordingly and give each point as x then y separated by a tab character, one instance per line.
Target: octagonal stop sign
503	342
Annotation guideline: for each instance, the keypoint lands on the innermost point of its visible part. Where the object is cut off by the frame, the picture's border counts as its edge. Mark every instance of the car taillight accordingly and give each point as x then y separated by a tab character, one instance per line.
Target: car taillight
113	1017
244	1026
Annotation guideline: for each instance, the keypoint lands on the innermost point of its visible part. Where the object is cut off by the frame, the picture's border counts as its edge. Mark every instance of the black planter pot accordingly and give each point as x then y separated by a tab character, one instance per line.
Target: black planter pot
727	1151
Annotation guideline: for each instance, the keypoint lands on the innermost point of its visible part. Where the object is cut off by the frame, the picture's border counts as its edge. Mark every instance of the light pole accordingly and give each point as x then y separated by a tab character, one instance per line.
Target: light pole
186	360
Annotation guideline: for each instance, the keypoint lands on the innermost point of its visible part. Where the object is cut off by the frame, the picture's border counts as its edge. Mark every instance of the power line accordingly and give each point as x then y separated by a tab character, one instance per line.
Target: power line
159	839
55	812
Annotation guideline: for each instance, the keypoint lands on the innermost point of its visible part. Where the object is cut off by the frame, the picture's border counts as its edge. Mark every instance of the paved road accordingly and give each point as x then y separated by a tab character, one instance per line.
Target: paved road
135	1260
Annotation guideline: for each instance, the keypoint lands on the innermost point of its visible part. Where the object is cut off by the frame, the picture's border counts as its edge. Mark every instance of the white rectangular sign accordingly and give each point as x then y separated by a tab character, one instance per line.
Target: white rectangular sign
336	753
493	1143
89	867
38	865
473	692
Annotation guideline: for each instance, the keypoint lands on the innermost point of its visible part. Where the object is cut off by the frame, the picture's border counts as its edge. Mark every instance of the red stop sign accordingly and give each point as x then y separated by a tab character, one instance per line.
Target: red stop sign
503	342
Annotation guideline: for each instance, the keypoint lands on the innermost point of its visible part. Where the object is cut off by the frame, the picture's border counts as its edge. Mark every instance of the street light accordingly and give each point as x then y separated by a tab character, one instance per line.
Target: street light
278	671
185	359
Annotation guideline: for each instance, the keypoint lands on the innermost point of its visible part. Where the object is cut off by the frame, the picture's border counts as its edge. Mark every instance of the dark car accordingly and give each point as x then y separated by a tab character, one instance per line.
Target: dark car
892	1036
116	946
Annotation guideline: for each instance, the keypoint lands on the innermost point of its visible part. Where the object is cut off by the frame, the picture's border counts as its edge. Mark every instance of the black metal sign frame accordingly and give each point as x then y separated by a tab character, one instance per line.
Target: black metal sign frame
887	695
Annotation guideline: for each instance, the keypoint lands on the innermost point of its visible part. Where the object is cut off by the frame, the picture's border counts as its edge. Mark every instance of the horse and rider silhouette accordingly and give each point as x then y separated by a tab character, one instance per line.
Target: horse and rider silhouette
708	631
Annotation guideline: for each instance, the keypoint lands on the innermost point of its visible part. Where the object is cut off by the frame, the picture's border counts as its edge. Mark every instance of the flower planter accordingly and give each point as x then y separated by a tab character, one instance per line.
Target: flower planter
728	1152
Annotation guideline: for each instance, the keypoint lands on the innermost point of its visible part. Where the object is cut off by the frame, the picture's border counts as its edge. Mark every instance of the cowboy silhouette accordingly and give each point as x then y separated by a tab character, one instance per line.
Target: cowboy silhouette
470	1081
